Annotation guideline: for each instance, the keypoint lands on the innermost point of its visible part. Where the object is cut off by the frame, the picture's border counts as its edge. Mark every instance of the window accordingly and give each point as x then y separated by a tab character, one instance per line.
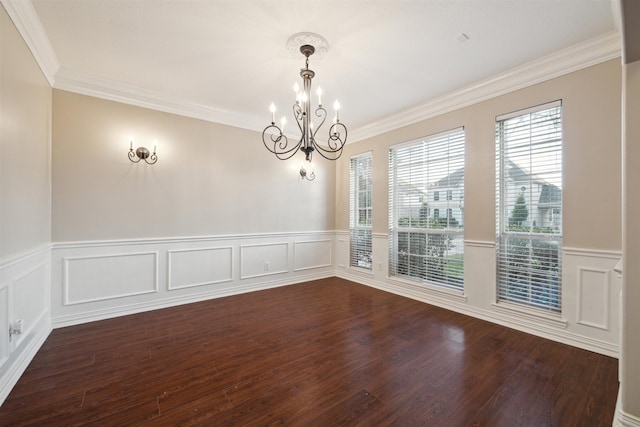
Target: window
361	175
423	248
529	206
449	195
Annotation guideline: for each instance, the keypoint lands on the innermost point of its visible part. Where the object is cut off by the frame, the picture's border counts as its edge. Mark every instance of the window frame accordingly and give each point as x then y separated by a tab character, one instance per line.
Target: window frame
528	254
434	253
360	234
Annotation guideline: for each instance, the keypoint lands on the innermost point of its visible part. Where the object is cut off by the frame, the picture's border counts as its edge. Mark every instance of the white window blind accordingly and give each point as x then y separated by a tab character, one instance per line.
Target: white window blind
361	177
426	210
529	206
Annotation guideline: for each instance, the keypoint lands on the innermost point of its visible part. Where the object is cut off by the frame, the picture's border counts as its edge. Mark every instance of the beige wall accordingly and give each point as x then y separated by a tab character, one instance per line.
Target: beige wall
592	157
25	204
25	121
210	179
630	383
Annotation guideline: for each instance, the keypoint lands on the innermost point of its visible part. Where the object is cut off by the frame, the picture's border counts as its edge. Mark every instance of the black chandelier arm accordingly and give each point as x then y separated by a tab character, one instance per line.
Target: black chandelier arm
321	113
133	157
280	143
335	143
298	114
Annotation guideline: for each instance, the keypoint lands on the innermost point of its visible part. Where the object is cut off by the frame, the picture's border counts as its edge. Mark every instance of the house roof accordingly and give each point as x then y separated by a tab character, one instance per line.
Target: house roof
550	194
451	180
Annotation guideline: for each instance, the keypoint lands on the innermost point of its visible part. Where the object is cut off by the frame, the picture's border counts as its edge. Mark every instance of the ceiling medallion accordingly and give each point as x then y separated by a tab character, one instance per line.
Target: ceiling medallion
296	41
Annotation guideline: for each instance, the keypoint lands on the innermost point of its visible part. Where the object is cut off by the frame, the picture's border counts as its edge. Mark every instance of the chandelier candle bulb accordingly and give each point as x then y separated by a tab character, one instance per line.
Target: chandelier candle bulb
155	146
283	122
319	97
272	108
130	142
296	89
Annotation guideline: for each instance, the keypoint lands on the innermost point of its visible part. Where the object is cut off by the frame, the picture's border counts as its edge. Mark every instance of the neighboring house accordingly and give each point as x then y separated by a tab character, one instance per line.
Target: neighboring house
446	197
543	199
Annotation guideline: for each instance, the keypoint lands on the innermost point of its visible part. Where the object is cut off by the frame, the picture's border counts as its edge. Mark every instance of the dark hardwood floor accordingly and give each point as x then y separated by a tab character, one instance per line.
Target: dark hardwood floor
322	353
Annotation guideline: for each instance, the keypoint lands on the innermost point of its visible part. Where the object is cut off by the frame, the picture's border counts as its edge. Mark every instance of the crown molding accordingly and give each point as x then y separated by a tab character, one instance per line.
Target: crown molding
77	82
565	61
26	20
573	58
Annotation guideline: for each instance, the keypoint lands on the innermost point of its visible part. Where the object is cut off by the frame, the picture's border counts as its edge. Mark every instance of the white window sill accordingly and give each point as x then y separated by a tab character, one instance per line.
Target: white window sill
429	289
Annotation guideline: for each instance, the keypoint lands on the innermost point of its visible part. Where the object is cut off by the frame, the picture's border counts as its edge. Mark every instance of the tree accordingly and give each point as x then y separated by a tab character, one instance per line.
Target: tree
520	213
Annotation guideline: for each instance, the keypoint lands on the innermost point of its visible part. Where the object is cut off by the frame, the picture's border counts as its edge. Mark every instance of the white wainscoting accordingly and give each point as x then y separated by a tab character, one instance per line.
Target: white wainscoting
590	295
4	324
24	295
199	267
312	254
342	249
594	287
590	312
102	279
264	259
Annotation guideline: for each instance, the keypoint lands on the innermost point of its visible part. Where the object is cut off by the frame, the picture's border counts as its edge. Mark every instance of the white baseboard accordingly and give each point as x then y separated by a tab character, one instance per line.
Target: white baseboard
621	418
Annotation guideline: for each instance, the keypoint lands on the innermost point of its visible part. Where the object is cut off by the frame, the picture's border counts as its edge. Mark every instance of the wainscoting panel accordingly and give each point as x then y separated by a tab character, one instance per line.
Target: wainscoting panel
264	259
4	324
99	277
25	283
31	297
95	280
590	293
312	254
343	251
593	297
199	267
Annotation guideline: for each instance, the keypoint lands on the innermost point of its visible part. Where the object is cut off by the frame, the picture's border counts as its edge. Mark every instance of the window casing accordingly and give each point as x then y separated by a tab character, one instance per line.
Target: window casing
361	177
425	246
529	207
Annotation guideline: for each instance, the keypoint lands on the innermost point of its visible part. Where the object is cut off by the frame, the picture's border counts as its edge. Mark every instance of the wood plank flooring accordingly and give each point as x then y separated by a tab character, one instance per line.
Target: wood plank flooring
322	353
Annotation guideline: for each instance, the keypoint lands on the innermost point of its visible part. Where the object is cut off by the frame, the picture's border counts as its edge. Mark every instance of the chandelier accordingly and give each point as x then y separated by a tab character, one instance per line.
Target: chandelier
273	135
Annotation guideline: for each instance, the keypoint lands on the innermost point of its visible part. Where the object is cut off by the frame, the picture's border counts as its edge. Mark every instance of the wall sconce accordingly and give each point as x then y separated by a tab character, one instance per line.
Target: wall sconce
304	175
142	153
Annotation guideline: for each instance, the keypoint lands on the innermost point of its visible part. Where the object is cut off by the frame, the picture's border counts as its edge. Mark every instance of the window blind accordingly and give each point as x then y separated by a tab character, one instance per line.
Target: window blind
361	177
426	210
529	207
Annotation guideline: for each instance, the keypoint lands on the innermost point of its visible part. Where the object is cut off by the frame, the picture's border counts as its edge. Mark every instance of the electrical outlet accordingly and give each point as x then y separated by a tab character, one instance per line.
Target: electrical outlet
16	327
267	266
379	266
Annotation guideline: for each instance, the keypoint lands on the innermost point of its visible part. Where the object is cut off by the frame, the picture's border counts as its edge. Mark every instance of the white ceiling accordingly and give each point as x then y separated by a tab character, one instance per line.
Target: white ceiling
226	60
